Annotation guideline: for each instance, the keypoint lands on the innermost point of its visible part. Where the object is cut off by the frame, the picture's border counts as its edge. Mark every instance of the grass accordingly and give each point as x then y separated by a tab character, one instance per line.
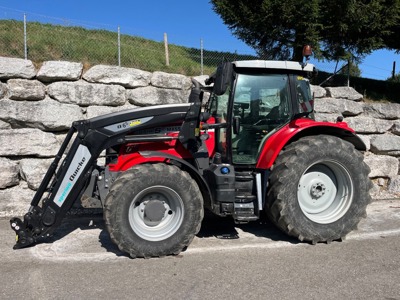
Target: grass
91	47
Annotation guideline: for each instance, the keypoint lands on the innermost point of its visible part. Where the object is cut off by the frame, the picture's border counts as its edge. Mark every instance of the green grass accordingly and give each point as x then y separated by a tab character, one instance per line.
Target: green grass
92	47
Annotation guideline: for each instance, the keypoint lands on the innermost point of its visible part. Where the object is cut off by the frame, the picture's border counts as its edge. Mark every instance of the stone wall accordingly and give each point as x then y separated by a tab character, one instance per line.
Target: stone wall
37	106
377	124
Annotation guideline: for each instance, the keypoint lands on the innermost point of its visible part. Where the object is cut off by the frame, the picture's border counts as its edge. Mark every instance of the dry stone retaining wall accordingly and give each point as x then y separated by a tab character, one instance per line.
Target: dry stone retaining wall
37	106
378	126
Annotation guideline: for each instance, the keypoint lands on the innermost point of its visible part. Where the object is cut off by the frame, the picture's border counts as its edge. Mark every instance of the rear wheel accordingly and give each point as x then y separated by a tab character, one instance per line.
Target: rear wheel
319	189
153	210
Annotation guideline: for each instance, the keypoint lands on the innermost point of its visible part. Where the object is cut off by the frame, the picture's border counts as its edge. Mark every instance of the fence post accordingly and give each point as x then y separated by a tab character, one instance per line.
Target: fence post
394	70
119	46
201	57
166	49
25	42
348	72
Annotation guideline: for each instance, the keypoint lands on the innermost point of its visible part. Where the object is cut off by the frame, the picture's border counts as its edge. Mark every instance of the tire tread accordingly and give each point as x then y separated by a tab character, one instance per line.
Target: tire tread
112	206
287	167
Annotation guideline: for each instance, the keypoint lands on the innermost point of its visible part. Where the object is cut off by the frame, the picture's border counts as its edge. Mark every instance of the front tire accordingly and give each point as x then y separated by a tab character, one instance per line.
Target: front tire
153	210
319	189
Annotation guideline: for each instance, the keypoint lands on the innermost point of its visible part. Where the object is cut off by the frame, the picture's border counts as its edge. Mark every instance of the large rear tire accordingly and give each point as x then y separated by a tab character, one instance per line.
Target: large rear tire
319	189
153	210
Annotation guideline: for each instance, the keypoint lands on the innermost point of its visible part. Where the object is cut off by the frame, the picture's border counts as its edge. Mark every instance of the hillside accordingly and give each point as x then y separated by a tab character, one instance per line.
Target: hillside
54	42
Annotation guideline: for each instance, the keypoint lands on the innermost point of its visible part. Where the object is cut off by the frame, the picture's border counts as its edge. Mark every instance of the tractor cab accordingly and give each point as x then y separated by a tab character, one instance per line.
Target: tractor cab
255	99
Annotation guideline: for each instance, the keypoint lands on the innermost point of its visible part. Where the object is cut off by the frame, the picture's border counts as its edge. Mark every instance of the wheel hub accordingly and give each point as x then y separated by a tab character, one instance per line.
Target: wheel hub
317	190
154	210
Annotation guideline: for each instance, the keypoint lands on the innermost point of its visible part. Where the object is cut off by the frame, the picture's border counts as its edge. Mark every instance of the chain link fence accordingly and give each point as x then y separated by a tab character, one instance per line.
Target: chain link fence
59	39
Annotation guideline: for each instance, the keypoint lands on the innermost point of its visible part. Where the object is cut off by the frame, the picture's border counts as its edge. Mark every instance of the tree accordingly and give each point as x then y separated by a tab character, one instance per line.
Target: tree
336	29
392	40
396	78
354	70
357	26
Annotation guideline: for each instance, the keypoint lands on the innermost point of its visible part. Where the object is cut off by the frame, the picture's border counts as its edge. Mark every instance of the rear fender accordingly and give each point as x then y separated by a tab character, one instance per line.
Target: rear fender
300	128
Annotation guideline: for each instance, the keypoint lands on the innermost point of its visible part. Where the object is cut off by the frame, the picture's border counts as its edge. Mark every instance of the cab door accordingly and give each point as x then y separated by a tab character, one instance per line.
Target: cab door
261	105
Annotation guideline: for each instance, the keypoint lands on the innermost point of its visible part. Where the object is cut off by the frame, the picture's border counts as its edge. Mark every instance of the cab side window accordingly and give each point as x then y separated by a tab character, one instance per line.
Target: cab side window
262	104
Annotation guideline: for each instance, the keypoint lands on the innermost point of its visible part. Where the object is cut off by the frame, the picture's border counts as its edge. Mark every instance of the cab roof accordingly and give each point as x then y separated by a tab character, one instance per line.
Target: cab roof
273	64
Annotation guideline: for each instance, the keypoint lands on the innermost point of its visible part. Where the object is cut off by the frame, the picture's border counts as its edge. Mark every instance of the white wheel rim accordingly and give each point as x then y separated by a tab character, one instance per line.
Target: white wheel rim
168	222
325	192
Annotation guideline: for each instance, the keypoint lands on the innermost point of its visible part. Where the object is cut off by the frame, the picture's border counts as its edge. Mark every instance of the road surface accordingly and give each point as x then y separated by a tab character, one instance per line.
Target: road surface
225	261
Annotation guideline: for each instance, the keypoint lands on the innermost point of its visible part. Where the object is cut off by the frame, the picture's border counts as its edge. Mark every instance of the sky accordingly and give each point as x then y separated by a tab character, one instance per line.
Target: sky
185	22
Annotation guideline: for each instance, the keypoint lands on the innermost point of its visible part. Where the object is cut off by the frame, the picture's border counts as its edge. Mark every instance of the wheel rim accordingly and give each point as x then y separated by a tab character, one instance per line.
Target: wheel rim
156	213
325	192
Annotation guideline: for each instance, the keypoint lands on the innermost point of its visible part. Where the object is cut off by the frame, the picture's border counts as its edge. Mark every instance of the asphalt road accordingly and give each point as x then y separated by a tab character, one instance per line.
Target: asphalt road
82	263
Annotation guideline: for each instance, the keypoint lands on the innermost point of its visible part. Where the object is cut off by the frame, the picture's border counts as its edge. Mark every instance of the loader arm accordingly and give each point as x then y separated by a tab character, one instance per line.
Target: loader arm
64	183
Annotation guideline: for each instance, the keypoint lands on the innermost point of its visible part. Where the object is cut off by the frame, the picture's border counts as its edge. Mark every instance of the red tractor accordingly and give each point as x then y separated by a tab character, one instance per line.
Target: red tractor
253	147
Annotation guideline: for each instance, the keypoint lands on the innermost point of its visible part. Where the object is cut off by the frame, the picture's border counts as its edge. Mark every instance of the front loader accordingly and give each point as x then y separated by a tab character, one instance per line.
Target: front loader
254	147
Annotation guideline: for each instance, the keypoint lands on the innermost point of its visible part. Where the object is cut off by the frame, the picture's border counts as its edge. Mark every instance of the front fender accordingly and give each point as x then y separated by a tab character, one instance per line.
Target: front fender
142	157
300	128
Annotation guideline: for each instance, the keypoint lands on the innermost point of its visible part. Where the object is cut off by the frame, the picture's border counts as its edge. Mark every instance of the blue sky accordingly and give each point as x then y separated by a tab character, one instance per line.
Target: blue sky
185	22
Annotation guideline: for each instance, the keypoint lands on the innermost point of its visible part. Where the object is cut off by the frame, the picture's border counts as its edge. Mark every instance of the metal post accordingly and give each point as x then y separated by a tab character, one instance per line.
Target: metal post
166	49
119	46
201	57
25	42
394	70
348	72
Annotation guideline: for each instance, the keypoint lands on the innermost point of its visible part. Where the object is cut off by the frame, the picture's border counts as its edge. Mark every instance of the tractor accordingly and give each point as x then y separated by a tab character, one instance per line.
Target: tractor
251	149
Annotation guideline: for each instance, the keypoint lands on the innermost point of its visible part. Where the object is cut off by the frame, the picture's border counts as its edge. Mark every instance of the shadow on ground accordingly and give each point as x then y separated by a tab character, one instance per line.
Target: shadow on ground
86	223
212	227
226	228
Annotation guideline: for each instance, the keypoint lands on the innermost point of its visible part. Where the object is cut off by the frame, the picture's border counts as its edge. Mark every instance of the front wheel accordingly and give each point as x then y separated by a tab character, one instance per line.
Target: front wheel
153	210
319	189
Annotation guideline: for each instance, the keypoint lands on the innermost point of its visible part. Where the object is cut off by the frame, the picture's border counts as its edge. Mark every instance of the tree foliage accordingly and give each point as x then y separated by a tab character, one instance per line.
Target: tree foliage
336	28
396	78
353	71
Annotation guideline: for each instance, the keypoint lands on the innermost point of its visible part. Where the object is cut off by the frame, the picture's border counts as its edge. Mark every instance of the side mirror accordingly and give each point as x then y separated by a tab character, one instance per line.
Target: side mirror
236	124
